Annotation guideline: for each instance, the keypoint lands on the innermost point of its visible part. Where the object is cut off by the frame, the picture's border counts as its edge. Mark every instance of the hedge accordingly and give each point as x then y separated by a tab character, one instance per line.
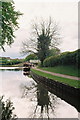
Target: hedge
65	58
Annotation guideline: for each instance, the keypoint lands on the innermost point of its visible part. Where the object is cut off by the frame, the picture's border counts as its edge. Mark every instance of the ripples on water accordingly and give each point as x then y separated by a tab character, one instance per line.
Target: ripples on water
31	99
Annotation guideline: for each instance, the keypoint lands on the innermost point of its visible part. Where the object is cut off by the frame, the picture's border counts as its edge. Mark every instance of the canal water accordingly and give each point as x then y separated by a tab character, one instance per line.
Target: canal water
31	99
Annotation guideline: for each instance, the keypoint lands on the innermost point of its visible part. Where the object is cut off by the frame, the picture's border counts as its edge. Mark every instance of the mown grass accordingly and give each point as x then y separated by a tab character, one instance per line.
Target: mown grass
70	82
68	70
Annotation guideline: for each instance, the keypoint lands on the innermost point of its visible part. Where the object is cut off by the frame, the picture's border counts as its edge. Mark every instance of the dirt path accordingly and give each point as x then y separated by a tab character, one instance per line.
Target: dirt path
58	74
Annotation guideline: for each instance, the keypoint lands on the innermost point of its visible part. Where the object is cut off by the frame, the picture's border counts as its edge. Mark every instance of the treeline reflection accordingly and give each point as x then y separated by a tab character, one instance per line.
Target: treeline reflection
45	101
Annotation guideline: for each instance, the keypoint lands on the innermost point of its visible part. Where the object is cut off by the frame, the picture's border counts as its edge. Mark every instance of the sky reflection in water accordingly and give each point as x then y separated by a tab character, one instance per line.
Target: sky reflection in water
32	100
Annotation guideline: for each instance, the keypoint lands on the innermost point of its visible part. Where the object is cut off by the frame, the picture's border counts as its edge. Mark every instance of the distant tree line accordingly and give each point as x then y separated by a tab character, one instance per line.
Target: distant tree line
6	61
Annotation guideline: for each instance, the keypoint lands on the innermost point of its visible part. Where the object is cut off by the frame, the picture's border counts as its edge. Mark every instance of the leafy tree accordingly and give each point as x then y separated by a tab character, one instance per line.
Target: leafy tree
31	57
8	23
54	51
45	37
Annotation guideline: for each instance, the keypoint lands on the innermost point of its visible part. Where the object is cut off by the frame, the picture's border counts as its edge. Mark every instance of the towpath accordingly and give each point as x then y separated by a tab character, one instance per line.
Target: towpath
58	74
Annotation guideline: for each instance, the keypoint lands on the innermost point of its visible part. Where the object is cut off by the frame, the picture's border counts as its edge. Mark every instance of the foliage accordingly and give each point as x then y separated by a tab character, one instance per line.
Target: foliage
8	23
6	110
43	47
66	58
45	37
54	51
15	61
51	61
8	61
31	57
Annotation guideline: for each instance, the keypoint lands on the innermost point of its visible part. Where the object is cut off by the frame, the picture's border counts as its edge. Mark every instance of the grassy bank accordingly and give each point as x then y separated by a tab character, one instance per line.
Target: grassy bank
74	83
68	70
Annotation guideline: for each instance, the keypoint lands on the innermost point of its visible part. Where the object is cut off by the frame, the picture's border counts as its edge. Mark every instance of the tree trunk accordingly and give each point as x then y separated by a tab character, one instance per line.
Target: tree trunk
41	63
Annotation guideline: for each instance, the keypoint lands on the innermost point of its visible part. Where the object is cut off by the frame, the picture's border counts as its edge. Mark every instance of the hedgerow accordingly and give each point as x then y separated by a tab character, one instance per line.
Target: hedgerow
65	58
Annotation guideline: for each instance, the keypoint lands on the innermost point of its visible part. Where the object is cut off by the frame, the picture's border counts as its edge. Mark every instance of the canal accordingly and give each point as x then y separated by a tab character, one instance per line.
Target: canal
31	99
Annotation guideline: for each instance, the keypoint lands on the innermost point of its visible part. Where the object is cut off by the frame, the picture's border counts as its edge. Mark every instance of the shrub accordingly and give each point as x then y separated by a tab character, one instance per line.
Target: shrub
51	61
65	58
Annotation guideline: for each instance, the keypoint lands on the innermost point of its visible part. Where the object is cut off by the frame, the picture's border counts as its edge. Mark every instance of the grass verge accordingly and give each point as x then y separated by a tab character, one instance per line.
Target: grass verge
70	82
68	70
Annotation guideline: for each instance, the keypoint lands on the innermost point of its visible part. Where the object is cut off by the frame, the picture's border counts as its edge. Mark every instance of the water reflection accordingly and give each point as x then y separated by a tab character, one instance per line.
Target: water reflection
26	70
26	73
10	68
45	101
32	97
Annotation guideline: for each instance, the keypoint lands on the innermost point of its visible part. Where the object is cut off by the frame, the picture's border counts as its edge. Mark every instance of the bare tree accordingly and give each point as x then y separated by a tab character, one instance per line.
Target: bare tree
45	36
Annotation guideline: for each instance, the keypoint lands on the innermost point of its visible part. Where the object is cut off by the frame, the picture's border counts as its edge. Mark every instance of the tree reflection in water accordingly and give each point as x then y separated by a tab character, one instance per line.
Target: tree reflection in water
46	101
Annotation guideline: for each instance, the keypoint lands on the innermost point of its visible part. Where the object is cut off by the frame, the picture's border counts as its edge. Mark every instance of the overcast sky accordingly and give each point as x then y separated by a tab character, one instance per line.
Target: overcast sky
65	13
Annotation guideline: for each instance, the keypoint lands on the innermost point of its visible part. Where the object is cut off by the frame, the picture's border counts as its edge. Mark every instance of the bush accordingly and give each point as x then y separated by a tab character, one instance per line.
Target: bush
66	58
51	61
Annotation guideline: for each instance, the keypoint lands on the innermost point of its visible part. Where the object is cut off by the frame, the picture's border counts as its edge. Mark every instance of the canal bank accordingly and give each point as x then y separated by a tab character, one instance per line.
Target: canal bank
68	93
